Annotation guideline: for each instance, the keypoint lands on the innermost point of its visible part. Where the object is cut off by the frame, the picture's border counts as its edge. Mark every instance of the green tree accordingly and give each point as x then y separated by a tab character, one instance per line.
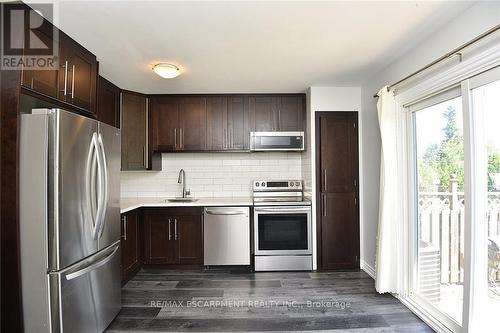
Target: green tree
440	162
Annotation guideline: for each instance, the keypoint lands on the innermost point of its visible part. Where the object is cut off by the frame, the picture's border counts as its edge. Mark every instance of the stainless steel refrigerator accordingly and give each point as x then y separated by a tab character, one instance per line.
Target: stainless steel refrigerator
69	222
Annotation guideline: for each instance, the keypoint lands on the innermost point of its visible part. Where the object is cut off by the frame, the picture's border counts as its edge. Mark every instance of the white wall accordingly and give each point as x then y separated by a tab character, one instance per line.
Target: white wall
325	99
472	22
211	174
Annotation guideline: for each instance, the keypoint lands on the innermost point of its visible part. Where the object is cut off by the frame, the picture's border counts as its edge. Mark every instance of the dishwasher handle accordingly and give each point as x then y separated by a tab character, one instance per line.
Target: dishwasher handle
224	212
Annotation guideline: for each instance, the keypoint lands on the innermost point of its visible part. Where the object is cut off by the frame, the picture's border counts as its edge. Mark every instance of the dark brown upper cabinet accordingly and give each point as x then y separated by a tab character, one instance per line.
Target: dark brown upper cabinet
178	123
262	113
42	81
291	113
192	123
108	102
339	153
227	123
135	148
78	74
164	124
238	123
217	129
74	81
277	112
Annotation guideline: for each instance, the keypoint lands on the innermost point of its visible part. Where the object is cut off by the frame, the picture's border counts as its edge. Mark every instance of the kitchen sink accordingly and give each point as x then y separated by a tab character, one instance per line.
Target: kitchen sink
180	199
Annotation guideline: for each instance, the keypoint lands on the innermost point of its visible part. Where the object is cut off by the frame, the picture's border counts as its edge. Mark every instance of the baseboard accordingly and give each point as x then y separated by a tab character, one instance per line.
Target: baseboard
368	269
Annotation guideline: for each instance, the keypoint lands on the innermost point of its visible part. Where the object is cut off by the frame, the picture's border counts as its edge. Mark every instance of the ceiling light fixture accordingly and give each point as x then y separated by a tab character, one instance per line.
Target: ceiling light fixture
167	71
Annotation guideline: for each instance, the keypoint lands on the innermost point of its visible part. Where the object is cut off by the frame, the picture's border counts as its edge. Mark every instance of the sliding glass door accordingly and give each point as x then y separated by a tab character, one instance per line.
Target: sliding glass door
485	282
454	273
438	274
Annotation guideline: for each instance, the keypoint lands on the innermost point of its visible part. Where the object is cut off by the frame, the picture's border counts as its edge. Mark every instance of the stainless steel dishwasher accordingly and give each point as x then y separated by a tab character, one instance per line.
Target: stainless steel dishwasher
226	236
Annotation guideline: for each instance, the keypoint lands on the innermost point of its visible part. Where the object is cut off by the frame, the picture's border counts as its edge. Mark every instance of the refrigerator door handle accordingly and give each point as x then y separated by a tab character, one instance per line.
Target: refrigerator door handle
90	183
100	192
105	188
93	266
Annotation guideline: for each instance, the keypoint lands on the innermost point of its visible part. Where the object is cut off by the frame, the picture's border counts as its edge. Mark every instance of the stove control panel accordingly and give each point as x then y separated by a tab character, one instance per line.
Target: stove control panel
277	185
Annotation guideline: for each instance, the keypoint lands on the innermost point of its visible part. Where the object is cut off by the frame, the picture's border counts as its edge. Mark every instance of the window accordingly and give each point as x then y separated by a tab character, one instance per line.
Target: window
439	237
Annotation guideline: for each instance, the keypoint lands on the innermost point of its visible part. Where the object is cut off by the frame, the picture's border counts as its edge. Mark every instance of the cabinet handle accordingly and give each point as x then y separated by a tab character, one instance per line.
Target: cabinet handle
73	82
169	233
324	180
181	137
224	138
65	85
125	227
145	157
175	138
325	213
175	229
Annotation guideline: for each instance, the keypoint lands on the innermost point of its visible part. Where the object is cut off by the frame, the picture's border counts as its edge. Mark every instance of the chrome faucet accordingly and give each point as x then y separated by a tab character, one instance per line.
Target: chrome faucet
182	179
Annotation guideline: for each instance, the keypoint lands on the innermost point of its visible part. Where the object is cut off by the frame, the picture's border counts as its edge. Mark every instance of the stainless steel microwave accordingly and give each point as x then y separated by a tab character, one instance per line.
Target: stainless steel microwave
277	141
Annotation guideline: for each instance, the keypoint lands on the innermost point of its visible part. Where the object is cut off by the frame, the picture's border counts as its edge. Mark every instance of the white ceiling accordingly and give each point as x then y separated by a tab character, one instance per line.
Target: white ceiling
250	46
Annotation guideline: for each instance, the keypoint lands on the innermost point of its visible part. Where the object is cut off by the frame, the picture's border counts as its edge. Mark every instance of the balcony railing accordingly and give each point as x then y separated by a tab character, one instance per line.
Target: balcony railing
441	232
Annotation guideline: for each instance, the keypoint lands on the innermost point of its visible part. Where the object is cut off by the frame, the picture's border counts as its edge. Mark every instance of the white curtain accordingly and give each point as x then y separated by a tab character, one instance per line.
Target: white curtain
388	222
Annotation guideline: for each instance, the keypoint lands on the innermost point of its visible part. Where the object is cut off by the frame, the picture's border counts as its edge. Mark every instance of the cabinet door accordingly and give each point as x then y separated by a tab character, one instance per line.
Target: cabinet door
108	103
42	81
262	113
190	240
217	130
164	124
134	124
338	153
291	112
130	245
160	245
238	130
192	123
339	231
80	75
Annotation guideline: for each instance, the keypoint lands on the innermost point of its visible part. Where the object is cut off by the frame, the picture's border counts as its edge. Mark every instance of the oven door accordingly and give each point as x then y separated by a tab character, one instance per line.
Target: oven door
282	230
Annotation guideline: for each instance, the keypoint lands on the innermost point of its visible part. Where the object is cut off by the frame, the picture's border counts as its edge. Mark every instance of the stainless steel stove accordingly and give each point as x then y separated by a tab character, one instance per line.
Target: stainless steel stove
282	226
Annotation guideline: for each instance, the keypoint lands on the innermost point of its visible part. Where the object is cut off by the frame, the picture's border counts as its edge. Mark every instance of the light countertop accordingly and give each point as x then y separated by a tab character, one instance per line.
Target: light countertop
128	204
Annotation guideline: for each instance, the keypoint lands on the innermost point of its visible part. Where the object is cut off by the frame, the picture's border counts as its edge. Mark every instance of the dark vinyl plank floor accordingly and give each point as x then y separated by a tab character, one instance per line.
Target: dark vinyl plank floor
188	301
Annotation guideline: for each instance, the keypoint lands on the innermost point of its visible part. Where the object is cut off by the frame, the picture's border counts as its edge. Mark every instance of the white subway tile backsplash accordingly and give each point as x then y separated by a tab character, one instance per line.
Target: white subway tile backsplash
211	174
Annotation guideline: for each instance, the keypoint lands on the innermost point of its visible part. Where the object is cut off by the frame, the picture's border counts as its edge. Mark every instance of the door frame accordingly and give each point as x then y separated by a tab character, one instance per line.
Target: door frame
317	176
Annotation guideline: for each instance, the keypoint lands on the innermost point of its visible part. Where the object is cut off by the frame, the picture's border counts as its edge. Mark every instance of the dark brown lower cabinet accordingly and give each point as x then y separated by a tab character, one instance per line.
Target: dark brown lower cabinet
173	236
339	231
131	245
337	184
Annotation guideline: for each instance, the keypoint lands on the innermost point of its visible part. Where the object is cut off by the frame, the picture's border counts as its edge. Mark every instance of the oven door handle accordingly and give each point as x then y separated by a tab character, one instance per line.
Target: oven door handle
287	209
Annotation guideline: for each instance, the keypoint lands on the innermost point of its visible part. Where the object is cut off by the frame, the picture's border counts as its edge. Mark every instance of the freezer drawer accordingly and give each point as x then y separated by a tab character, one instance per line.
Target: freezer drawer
226	233
87	296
